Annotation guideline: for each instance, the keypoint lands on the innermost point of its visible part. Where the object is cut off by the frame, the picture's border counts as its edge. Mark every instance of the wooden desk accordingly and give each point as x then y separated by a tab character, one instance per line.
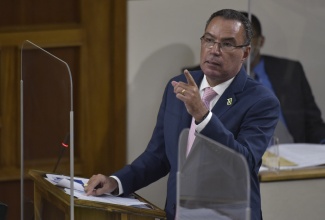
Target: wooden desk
308	173
51	202
297	194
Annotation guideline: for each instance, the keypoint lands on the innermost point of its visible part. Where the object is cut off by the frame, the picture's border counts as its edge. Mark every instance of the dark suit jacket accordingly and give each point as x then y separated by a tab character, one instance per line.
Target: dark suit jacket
303	117
289	82
246	126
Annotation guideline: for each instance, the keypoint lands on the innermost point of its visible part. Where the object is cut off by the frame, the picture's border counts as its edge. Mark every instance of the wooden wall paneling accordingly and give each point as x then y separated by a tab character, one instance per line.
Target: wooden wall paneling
102	92
94	93
35	12
9	112
98	31
52	116
103	120
119	83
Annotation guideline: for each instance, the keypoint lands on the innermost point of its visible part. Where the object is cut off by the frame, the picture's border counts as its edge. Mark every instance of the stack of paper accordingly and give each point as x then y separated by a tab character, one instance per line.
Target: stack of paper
298	156
64	181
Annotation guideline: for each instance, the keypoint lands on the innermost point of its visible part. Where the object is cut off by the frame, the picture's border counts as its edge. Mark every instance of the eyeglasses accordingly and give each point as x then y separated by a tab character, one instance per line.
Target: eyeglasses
223	46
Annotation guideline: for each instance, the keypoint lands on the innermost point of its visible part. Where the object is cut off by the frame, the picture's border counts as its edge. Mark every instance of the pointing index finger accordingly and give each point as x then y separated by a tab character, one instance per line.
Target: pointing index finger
189	78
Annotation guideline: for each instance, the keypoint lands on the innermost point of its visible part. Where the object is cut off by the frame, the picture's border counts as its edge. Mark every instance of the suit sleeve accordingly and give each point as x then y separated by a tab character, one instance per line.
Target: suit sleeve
152	164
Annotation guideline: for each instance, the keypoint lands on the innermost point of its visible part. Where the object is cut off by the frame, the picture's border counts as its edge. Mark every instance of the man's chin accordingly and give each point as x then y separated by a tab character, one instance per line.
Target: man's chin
211	70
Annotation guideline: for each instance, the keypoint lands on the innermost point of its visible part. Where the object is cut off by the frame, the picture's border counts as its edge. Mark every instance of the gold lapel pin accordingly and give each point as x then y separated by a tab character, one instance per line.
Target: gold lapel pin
229	101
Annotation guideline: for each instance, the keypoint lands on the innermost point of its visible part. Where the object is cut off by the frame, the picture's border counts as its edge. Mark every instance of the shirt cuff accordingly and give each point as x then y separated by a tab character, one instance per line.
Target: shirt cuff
120	188
203	123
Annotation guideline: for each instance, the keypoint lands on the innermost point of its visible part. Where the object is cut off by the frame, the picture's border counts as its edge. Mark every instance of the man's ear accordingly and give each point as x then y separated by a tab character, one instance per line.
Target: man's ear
261	41
246	53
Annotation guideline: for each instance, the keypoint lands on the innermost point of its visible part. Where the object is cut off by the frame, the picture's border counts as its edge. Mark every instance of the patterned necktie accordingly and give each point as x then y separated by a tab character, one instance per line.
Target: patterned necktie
208	95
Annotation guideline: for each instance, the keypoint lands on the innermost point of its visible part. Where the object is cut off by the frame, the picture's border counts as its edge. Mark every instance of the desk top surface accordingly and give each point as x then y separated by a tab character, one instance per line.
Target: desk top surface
299	174
51	190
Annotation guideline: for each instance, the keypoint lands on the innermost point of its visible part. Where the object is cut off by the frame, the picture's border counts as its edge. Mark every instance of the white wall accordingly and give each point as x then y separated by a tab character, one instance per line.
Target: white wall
163	37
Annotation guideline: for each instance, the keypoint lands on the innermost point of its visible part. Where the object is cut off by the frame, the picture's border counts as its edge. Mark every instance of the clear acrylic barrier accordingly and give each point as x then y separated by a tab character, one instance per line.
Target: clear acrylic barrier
271	158
213	181
46	119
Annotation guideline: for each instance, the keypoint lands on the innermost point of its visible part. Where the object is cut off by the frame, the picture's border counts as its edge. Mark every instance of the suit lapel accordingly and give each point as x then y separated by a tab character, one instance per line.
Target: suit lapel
228	98
225	102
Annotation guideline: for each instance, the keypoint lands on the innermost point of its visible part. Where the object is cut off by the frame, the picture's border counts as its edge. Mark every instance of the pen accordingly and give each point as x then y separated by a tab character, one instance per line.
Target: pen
80	182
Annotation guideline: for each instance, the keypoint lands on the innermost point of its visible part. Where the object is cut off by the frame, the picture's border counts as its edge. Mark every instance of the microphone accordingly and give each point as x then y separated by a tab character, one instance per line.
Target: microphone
64	145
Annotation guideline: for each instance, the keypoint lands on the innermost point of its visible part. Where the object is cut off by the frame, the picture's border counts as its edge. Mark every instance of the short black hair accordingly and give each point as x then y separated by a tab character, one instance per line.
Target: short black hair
257	27
231	14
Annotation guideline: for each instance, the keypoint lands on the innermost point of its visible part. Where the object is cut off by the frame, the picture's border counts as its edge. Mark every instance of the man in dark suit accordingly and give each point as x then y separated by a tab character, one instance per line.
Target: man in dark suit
242	114
300	118
300	114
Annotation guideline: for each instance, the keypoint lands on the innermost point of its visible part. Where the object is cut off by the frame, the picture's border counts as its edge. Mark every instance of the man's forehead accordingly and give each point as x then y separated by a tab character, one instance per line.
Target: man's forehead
225	28
220	22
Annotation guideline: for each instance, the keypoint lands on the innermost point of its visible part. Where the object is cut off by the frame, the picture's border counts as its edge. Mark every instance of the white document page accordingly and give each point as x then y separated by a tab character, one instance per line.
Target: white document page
107	199
64	181
302	154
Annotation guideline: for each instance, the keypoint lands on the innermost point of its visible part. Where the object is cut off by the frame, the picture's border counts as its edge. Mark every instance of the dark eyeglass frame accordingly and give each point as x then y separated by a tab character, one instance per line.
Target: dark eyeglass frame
223	46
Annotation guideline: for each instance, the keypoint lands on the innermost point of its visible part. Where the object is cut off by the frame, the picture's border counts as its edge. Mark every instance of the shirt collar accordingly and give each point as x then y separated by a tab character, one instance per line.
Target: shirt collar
219	89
